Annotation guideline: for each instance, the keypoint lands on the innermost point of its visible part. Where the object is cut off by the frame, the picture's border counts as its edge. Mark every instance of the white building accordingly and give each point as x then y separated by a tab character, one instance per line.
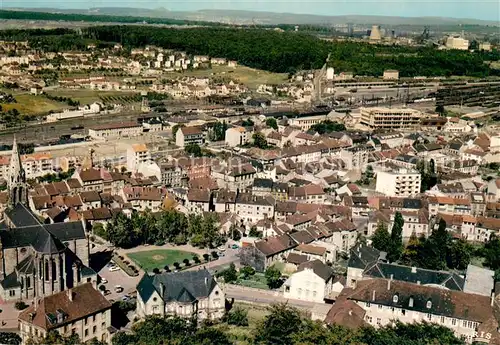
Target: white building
116	130
188	136
384	300
455	42
136	155
312	282
238	136
402	183
185	294
390	118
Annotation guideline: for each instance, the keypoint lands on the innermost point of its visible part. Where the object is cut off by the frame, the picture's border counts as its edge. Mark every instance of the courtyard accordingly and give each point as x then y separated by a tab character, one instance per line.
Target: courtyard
159	258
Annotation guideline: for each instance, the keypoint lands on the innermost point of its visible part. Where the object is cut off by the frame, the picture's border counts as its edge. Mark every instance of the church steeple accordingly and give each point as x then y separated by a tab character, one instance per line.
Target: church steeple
16	183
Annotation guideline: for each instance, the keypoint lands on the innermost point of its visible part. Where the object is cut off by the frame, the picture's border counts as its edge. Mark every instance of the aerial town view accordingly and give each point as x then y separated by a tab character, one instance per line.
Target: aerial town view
240	173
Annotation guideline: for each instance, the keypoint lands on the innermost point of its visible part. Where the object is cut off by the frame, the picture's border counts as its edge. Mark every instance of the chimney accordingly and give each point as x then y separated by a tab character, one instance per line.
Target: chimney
389	282
418	282
413	270
373	295
492	298
350	312
162	290
70	295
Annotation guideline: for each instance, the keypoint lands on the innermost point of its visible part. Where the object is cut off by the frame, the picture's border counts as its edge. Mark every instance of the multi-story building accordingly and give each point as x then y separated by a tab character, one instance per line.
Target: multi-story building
391	74
251	208
306	122
456	42
116	130
81	310
137	154
312	282
468	315
185	294
238	136
390	118
171	174
356	157
403	183
189	135
235	178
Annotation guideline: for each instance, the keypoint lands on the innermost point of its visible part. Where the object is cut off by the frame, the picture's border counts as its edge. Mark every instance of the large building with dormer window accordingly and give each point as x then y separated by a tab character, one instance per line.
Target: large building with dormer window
383	301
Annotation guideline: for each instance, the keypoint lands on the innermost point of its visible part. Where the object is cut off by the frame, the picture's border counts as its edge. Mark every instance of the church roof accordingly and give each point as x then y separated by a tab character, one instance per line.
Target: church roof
29	231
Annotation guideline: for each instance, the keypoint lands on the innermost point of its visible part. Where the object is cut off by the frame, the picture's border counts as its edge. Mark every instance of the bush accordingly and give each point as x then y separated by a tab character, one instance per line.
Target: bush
237	316
20	305
156	270
166	268
186	262
215	255
196	259
247	271
206	257
177	265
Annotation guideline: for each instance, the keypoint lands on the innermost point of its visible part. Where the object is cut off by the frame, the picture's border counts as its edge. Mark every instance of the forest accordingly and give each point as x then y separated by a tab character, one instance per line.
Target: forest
271	50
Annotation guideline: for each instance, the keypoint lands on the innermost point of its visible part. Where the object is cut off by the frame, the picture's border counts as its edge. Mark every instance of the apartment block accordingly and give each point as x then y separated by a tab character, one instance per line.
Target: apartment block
401	183
390	118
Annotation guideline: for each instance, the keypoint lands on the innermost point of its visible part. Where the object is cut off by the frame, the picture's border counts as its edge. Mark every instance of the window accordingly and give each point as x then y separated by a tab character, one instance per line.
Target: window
442	319
379	321
368	304
94	330
103	325
380	306
403	312
216	293
86	332
429	316
395	298
93	318
453	322
369	319
429	305
155	299
86	321
464	324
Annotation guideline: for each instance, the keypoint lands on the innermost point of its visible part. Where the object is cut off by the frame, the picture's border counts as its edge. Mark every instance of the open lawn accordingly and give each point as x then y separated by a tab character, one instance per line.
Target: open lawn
243	335
85	96
251	77
32	105
159	258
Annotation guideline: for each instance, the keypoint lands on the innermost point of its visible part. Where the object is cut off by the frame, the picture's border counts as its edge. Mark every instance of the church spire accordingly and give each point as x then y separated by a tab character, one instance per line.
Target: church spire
17	178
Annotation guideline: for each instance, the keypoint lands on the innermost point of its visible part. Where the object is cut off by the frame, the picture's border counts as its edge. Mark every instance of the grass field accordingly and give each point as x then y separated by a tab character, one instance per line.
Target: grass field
32	105
252	78
159	258
88	96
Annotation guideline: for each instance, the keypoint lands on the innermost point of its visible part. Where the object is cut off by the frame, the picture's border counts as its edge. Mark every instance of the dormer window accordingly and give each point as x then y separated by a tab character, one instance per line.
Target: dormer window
395	298
428	305
410	303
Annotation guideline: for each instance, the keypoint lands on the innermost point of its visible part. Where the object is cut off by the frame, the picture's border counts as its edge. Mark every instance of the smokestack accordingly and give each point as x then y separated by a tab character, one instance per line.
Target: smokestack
162	290
70	295
492	298
389	282
373	296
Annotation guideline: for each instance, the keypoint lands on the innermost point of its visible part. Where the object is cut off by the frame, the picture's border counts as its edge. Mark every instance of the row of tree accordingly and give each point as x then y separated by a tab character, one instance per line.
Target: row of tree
167	226
283	325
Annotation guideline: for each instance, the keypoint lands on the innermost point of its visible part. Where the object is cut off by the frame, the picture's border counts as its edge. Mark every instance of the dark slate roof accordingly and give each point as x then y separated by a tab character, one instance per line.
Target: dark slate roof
415	275
412	203
186	286
87	271
67	231
362	255
320	269
11	281
263	183
27	265
21	216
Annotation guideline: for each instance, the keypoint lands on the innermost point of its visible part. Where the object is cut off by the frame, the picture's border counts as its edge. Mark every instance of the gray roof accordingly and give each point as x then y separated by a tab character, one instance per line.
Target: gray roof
186	286
320	269
415	275
27	230
11	281
361	255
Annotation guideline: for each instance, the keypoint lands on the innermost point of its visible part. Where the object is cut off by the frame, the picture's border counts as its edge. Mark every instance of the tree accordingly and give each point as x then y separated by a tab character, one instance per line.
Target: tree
247	271
237	317
381	239
229	274
396	247
218	131
279	327
9	338
259	140
175	128
328	126
194	150
247	123
273	277
254	232
120	231
412	251
272	123
459	255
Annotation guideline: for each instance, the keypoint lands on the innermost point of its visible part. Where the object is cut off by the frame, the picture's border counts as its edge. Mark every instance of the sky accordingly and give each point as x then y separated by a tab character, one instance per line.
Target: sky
475	9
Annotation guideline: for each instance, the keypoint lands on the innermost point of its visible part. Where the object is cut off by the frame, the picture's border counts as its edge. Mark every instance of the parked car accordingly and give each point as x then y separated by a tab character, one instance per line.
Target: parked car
107	292
114	268
103	280
118	288
235	246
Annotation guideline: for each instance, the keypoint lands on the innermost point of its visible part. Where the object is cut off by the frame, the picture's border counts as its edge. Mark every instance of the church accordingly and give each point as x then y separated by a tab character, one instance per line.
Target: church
38	259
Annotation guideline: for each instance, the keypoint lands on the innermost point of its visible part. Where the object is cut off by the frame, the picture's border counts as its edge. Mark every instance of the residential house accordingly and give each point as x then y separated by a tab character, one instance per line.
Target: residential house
251	208
198	200
81	310
313	282
238	136
187	294
311	193
189	135
264	253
